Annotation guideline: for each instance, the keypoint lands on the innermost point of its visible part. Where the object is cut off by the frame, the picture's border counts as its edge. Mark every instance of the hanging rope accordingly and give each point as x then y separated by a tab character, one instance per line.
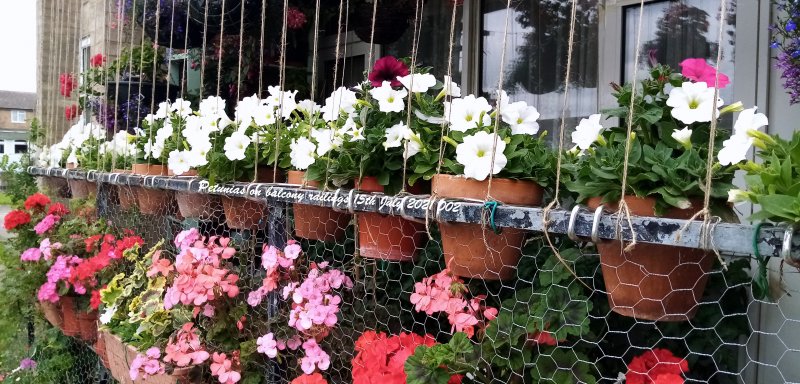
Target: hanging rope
335	75
281	92
418	9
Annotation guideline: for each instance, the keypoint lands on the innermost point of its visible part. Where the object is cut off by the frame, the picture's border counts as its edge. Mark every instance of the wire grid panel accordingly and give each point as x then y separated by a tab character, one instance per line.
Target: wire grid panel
552	324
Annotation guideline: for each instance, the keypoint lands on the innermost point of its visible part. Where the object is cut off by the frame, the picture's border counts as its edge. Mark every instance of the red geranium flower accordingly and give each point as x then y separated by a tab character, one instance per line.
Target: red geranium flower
381	359
97	60
387	68
67	84
71	112
656	366
94	302
16	218
314	378
37	200
58	209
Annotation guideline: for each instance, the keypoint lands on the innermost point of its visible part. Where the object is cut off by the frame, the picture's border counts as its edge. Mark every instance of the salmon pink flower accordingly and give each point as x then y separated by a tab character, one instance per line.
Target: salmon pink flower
223	368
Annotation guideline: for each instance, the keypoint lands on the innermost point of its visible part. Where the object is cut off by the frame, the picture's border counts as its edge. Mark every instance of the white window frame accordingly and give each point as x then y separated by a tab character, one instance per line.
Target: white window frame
15	116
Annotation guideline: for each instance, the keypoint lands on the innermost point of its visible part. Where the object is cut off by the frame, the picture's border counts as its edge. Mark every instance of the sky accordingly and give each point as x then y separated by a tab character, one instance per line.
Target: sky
18	45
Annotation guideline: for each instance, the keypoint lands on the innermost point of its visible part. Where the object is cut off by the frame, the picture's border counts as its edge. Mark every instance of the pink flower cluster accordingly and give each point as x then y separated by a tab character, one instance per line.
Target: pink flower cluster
185	348
225	369
444	292
199	276
45	249
59	271
46	224
313	303
698	70
146	365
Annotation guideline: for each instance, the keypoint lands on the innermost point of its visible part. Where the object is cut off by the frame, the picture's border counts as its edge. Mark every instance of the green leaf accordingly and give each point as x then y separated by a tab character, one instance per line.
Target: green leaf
417	372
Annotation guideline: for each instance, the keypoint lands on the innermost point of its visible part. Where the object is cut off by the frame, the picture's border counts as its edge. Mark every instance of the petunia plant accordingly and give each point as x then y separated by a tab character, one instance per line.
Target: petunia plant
669	141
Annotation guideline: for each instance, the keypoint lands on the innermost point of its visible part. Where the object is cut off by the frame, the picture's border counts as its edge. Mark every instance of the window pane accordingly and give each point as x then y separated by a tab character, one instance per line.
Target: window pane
434	36
676	30
536	57
20	147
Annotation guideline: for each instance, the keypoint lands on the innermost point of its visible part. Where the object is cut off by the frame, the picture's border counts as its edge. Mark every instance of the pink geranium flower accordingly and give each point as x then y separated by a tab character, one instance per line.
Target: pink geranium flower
699	71
223	369
268	345
46	224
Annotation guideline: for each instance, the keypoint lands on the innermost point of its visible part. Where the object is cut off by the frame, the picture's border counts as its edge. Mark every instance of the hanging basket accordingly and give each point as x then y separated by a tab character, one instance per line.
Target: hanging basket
196	205
392	20
166	23
153	201
387	237
70	325
87	322
125	195
472	250
211	14
653	281
317	223
52	312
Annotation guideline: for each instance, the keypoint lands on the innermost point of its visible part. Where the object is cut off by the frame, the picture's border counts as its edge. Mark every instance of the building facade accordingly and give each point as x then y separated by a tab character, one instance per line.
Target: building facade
17	109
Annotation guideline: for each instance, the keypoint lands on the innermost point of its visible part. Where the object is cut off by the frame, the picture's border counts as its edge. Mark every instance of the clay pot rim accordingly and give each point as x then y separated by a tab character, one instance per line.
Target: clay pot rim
537	191
671	213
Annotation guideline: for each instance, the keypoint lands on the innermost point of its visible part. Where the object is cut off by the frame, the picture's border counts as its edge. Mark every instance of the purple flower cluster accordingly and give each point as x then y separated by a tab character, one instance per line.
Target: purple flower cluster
786	39
127	117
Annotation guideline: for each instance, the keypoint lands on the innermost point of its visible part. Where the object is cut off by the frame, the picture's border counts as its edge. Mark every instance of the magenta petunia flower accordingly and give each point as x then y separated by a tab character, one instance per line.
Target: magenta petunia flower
387	68
699	71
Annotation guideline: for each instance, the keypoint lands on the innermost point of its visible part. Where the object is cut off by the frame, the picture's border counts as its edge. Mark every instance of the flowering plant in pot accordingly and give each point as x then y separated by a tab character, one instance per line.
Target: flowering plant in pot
501	147
250	150
189	149
375	146
666	177
180	310
83	138
159	134
310	138
312	293
118	156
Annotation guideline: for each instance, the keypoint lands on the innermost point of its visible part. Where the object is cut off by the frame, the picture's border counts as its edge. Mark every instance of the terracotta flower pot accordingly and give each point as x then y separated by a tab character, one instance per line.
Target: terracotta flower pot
70	325
471	250
653	281
120	356
387	237
125	194
52	313
54	186
317	223
198	205
243	213
153	201
87	322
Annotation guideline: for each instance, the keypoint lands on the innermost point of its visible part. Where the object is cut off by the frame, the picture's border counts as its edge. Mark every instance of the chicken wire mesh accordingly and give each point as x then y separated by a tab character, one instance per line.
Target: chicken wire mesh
529	307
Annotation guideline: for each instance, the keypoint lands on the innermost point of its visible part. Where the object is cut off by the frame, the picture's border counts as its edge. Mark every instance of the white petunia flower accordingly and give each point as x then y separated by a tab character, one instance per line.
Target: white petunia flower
198	156
212	106
150	119
108	314
737	196
395	135
412	145
245	110
749	120
182	107
264	115
467	113
521	117
341	100
325	139
420	82
163	110
587	132
389	99
693	102
429	119
451	88
734	150
283	101
683	136
308	107
475	154
236	145
178	162
302	153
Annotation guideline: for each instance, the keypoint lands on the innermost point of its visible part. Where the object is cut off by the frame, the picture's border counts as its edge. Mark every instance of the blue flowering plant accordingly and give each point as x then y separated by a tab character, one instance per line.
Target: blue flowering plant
786	41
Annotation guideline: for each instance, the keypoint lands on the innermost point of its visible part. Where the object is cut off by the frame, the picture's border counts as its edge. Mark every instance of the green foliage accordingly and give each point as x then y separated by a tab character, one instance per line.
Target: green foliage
658	165
775	183
437	363
19	184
